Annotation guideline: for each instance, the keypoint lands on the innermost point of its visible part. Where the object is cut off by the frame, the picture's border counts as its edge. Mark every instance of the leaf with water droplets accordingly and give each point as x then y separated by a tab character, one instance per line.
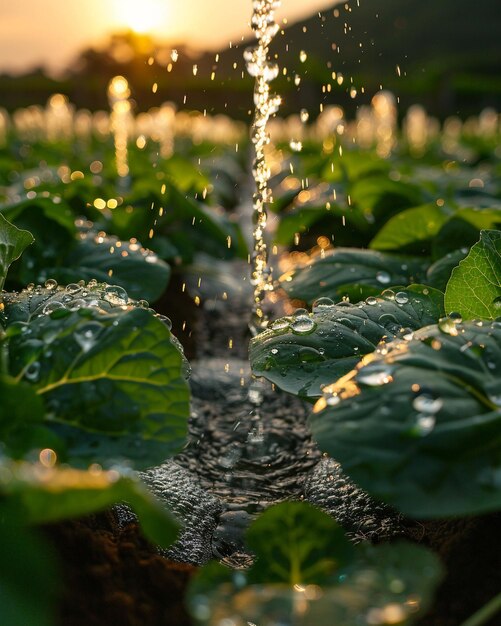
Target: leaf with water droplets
474	289
12	244
112	382
52	226
418	424
304	560
300	354
352	271
104	258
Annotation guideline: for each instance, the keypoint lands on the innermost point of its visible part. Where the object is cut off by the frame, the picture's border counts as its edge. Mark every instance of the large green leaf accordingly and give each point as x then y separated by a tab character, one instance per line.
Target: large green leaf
474	289
418	425
380	198
53	228
354	272
307	573
301	354
105	258
411	230
12	243
112	381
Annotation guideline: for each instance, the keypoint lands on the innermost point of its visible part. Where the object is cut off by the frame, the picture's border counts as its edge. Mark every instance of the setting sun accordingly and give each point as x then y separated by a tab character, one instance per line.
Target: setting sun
142	16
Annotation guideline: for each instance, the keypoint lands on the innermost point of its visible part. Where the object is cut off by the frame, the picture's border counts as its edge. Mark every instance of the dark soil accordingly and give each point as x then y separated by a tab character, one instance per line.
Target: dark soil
116	579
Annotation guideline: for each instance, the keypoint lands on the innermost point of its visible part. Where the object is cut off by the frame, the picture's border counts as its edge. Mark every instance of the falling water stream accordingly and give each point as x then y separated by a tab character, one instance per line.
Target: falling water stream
249	444
266	104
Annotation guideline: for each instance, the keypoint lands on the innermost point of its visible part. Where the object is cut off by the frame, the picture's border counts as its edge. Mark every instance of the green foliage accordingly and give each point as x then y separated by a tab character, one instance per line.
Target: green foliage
96	257
40	493
111	382
302	354
352	272
412	230
309	548
12	243
474	289
26	563
298	548
417	425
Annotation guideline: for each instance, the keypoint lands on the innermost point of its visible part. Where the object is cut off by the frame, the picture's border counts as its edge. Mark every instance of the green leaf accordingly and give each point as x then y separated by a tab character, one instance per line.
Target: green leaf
337	337
309	547
53	228
380	197
12	243
418	424
306	572
112	381
44	494
474	289
105	258
332	275
412	230
21	419
28	575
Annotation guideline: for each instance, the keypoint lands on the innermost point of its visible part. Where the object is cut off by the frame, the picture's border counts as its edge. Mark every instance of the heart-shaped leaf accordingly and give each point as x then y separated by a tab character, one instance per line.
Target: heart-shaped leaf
474	289
351	272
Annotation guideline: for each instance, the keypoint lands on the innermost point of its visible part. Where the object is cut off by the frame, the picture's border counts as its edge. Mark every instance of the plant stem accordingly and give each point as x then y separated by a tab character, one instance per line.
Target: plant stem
485	613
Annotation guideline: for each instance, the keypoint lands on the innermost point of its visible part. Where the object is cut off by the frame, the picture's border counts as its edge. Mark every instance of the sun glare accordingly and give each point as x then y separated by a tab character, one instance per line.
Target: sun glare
142	16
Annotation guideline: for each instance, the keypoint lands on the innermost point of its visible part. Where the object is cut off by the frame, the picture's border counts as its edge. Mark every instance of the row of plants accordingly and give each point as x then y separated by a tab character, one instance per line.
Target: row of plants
401	354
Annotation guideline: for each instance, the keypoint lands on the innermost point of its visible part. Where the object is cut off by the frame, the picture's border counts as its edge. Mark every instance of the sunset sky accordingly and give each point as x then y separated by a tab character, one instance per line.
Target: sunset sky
51	32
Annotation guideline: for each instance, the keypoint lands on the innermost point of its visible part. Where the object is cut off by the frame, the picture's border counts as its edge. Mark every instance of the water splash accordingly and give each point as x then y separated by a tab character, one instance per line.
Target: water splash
118	96
266	104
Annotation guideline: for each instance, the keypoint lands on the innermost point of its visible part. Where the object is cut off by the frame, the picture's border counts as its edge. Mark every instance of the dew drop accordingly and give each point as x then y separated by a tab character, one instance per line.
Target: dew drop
375	376
322	304
401	297
383	277
371	301
51	284
50	307
86	335
73	288
116	295
281	324
166	320
388	294
303	325
425	424
426	403
32	372
447	326
333	400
